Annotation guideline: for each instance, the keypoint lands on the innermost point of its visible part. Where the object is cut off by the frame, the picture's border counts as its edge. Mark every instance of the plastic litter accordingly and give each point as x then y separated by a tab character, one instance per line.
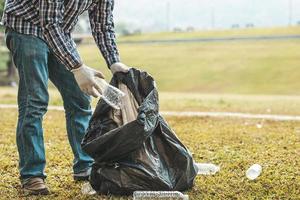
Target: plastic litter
139	152
87	189
259	126
110	94
170	195
254	171
207	168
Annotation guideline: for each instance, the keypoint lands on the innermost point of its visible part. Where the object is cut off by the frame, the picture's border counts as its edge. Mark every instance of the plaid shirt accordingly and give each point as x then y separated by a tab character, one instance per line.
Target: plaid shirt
54	20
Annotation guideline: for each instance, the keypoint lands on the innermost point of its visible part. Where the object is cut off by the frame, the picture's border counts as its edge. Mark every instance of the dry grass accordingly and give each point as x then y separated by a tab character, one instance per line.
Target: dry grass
231	67
177	101
215	34
233	144
253	67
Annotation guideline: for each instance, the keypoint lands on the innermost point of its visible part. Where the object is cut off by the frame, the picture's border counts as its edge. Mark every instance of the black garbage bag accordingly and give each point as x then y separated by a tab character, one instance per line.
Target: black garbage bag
144	154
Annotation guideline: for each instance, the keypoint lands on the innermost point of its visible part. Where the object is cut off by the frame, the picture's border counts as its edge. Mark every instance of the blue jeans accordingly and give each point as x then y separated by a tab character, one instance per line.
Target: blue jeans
36	64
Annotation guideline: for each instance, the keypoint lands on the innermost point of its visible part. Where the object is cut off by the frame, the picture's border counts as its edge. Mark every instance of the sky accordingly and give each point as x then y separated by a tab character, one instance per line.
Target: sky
161	15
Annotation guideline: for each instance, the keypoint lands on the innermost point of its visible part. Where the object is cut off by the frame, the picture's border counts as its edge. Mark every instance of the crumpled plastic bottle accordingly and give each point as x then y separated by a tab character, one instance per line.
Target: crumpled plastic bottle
87	189
253	172
207	168
110	94
147	195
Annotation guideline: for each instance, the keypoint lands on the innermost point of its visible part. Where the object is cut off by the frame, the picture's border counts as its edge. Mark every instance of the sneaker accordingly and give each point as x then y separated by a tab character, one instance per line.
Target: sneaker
83	176
34	186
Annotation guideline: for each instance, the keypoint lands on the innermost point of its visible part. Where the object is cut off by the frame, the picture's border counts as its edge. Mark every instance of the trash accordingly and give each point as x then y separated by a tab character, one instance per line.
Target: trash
110	94
87	189
207	168
134	148
259	126
246	123
147	195
254	171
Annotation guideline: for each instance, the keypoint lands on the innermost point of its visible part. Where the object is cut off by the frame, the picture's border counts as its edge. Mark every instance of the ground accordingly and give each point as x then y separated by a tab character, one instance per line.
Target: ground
243	67
232	144
235	67
248	32
178	101
242	76
228	67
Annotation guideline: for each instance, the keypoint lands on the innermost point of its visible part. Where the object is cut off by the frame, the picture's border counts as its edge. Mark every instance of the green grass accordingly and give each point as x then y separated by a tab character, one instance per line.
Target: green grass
230	103
3	52
215	34
245	74
170	101
3	59
239	67
244	67
232	144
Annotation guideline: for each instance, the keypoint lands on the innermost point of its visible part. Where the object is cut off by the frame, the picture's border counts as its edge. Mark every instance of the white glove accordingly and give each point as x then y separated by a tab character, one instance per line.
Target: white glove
85	78
119	67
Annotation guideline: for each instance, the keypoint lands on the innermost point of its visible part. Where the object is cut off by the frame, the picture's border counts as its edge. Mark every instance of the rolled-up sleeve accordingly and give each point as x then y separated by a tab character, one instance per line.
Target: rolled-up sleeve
61	43
102	25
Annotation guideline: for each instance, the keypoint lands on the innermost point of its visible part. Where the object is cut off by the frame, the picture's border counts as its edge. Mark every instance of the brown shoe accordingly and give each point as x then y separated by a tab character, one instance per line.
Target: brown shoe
34	186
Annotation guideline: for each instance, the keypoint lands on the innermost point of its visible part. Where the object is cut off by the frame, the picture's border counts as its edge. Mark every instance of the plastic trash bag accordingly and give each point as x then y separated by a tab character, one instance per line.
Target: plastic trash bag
136	153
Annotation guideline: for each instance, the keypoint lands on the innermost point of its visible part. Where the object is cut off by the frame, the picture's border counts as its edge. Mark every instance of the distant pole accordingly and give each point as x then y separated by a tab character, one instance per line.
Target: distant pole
290	12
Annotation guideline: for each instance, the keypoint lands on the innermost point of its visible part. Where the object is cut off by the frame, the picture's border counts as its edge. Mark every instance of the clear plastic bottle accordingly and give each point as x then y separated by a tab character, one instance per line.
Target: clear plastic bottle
160	195
253	172
110	94
87	189
207	168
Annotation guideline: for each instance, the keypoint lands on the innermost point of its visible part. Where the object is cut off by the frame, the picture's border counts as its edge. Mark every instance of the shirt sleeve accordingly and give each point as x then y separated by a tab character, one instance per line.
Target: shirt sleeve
63	46
102	25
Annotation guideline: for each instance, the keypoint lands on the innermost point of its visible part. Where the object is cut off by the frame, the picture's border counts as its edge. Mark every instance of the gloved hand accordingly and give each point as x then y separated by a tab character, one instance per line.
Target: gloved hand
85	78
119	67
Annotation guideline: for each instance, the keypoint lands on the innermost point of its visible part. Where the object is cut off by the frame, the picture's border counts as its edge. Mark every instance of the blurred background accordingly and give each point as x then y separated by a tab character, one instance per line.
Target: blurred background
205	55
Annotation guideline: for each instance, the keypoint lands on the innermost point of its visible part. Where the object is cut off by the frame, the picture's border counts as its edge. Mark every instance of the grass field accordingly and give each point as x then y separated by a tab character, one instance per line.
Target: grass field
212	76
3	58
232	144
172	101
240	67
215	34
236	67
241	76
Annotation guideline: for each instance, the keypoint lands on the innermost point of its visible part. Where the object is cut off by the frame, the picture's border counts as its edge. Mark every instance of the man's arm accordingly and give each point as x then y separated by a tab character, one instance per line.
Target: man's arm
102	25
51	18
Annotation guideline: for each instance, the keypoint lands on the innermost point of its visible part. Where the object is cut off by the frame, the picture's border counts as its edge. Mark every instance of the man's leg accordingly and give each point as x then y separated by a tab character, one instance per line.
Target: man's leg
30	56
78	111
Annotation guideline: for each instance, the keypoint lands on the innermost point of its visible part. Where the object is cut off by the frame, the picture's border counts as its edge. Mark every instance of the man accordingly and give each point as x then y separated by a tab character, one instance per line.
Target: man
38	36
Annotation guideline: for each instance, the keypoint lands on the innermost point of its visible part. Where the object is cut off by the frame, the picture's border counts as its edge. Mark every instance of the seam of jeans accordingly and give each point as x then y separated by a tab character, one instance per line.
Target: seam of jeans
26	108
73	131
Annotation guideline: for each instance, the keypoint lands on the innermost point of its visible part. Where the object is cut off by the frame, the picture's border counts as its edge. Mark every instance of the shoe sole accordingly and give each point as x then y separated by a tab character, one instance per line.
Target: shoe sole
36	192
81	178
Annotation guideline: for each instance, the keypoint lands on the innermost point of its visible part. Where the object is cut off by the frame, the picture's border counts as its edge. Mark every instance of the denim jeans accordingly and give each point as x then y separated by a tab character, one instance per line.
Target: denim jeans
36	64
